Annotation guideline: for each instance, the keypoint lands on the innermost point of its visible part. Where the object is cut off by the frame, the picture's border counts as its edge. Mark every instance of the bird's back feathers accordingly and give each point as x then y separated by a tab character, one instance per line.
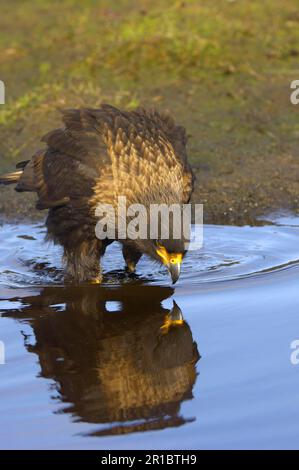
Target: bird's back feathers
103	153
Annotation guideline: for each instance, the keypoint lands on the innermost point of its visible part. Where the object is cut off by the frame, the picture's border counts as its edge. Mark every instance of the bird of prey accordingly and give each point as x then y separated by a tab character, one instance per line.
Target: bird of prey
99	155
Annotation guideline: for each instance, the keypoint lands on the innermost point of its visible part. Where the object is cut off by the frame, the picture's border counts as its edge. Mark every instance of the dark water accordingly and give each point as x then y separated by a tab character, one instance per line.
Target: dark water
113	366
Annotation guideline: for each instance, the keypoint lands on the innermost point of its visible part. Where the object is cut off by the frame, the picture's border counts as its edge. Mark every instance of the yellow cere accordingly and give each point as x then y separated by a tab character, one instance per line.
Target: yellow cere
169	258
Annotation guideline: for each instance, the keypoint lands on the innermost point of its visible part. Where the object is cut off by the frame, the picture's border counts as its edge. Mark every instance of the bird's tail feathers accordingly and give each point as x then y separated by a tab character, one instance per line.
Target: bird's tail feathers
11	178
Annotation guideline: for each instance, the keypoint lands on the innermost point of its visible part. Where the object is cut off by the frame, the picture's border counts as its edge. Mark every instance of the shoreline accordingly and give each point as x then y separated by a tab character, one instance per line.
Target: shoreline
220	208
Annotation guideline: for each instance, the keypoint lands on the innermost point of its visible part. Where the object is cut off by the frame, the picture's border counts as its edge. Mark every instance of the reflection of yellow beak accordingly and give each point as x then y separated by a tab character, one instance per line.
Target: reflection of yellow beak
168	323
173	318
173	262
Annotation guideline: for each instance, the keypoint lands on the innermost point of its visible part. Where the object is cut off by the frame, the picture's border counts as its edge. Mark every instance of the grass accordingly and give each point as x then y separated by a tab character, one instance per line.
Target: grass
223	68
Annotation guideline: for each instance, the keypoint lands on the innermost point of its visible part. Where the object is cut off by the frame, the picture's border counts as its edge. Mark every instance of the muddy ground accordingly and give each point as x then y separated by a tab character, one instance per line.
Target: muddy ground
223	70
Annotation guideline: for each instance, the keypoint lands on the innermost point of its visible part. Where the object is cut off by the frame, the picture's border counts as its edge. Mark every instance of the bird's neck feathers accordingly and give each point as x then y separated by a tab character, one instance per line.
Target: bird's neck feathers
159	195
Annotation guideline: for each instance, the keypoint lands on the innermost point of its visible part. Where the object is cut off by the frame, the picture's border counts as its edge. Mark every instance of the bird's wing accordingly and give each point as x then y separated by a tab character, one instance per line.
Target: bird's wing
67	170
103	153
35	178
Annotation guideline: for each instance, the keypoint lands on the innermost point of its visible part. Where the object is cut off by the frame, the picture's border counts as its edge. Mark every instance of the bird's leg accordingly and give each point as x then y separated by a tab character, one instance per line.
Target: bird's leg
131	257
82	262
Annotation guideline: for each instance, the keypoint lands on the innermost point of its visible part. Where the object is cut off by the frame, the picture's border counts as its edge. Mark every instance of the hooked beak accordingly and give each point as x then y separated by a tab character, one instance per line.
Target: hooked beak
172	261
174	318
176	314
174	270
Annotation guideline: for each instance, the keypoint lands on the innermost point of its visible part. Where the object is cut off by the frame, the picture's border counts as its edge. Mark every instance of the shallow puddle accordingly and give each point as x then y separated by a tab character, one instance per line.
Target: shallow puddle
113	366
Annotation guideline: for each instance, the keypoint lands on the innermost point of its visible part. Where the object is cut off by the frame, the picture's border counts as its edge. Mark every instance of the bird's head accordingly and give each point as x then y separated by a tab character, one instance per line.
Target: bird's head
169	253
167	236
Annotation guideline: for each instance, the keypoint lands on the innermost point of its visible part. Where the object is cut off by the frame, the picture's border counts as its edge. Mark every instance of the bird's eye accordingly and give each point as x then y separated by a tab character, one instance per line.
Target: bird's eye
172	260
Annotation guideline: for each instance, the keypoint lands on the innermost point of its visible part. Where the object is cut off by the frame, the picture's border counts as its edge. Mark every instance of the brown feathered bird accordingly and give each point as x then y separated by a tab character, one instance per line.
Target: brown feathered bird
99	155
126	373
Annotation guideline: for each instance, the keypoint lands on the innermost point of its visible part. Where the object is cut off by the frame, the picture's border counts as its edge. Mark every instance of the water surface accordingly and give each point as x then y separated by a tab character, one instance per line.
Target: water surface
103	367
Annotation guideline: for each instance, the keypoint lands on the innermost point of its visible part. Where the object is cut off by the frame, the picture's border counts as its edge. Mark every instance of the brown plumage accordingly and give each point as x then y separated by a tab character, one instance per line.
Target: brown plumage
126	372
98	155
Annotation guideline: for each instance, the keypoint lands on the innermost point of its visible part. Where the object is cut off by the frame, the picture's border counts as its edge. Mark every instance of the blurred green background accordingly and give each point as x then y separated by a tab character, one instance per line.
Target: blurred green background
222	68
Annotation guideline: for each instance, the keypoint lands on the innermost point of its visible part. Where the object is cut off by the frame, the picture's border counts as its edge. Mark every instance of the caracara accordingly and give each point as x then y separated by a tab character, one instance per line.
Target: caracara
99	155
128	373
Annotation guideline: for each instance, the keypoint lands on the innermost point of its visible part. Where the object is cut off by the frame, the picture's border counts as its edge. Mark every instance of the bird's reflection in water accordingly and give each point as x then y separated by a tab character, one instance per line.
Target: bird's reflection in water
117	356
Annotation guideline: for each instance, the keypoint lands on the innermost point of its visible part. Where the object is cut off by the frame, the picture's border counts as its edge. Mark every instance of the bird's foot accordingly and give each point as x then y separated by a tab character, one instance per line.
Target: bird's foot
131	267
96	280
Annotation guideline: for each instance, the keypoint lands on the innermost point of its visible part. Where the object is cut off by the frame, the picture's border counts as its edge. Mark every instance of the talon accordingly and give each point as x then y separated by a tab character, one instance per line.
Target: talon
131	267
96	281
